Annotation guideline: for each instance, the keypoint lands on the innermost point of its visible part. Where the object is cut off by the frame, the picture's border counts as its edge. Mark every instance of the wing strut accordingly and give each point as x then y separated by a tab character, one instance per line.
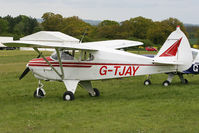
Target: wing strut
60	63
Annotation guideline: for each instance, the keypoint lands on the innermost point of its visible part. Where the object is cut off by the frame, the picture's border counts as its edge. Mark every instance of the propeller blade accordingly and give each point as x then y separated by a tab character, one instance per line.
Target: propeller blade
26	70
24	73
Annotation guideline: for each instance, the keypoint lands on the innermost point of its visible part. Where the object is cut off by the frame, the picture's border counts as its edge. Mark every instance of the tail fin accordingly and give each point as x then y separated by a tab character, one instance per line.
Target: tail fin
176	50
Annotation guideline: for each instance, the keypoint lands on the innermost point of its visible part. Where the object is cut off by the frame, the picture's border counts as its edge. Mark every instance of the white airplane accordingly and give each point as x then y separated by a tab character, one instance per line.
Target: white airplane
103	60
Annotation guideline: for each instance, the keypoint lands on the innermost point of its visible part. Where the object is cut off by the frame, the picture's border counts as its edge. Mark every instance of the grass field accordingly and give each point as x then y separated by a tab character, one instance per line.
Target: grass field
125	105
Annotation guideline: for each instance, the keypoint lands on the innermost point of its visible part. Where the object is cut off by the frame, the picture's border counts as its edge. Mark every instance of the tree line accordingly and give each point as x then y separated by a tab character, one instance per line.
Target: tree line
139	28
19	26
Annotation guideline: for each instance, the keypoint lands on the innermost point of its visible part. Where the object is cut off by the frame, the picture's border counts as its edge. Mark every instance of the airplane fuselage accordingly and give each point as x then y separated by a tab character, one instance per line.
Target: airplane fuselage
104	65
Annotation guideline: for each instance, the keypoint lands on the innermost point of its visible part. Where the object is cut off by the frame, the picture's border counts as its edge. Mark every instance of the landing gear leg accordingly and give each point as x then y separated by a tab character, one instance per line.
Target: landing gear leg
71	86
169	79
147	82
183	80
39	92
93	92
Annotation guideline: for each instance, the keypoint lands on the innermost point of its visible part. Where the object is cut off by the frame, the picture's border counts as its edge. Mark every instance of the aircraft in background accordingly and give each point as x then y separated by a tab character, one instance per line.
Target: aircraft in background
194	69
102	60
150	49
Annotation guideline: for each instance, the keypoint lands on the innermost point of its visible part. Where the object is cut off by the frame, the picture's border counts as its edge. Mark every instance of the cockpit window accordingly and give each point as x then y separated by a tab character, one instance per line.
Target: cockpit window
65	55
74	55
54	56
86	56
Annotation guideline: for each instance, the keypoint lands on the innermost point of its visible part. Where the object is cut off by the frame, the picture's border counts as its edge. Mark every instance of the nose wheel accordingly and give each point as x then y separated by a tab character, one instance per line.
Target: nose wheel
39	92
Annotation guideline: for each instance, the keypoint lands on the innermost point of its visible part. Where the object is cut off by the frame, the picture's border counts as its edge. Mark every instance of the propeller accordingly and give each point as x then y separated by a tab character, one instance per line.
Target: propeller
26	70
24	73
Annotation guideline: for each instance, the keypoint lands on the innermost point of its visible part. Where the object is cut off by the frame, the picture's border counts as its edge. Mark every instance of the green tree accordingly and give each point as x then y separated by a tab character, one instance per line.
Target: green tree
3	26
108	29
24	25
19	28
126	29
75	27
141	26
172	23
37	28
52	22
21	24
136	27
159	32
11	23
30	25
197	35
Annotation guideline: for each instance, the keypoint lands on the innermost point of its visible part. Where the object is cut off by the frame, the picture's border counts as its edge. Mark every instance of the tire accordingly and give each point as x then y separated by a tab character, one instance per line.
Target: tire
68	96
166	83
147	82
40	94
96	94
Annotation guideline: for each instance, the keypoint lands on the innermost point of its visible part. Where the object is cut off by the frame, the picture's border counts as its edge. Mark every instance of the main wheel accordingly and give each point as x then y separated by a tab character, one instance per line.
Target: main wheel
40	94
95	94
166	83
68	96
147	82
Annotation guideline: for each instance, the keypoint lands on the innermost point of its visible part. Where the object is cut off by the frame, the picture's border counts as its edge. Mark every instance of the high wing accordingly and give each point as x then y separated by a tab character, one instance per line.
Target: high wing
113	44
93	46
39	44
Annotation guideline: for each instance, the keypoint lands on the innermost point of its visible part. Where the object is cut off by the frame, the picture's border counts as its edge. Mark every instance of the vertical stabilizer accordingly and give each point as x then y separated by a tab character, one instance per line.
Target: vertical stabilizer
176	50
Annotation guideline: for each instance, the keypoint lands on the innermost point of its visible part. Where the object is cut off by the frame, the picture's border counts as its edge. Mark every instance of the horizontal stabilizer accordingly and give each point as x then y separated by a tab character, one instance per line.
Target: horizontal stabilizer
168	63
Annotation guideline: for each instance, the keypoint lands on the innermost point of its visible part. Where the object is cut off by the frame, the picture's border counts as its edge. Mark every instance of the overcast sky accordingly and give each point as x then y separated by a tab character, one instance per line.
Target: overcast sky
119	10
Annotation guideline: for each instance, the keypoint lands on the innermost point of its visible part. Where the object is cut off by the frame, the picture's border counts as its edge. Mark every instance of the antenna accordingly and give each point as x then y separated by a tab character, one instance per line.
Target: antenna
83	36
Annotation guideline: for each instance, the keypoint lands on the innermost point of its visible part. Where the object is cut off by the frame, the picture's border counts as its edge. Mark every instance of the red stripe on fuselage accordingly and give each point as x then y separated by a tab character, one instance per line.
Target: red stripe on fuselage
46	65
41	62
78	64
41	59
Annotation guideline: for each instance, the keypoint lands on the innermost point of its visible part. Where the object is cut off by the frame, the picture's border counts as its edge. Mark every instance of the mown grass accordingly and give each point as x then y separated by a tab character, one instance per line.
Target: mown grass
125	105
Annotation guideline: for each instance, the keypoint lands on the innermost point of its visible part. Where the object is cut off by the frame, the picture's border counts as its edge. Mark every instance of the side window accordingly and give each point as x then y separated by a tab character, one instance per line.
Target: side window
66	55
80	55
86	56
54	56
